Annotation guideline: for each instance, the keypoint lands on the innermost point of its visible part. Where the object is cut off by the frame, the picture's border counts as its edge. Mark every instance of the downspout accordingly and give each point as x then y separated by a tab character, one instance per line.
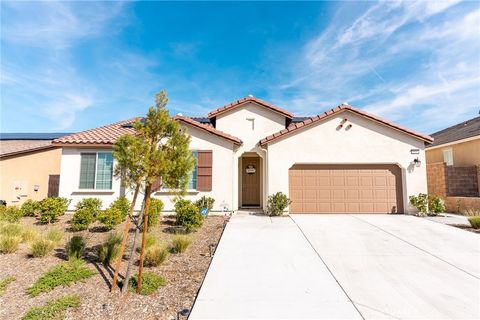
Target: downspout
265	183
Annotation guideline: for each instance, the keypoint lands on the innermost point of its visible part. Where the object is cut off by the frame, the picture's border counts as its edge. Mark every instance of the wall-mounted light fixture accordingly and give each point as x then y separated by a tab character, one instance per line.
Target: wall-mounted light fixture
417	162
36	187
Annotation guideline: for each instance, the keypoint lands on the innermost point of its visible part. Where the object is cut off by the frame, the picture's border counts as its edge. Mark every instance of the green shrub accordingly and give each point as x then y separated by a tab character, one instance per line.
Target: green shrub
29	234
75	247
155	255
93	204
123	204
52	208
64	274
420	202
9	243
108	251
187	215
41	247
11	229
110	217
4	284
55	235
475	222
10	214
277	203
180	243
53	309
155	212
435	204
150	283
86	211
82	219
427	203
205	202
31	208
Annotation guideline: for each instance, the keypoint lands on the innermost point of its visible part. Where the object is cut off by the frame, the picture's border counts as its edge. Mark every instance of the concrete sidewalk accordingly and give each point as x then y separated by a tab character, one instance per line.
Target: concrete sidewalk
265	269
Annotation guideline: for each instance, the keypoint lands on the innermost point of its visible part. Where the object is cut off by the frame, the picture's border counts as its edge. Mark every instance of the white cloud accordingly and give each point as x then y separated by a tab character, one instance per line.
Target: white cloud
394	58
44	79
52	24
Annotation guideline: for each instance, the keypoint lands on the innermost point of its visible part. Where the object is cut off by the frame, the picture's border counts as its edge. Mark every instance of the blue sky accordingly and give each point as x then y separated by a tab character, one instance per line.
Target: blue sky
70	66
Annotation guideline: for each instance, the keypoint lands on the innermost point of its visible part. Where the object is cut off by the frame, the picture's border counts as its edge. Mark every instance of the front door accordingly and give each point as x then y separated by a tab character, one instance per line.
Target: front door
250	181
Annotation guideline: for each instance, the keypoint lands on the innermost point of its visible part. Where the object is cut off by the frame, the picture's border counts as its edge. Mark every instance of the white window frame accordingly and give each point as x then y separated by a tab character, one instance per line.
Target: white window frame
448	156
96	171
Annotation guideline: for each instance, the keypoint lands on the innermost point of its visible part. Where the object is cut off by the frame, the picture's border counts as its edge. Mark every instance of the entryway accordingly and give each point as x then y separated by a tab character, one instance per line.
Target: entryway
250	181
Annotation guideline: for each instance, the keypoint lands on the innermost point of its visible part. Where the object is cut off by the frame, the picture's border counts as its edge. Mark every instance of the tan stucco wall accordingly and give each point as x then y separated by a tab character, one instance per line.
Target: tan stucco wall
25	171
464	154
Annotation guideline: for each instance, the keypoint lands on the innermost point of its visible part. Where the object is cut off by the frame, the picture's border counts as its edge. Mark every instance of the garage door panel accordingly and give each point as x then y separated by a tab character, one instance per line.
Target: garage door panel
345	189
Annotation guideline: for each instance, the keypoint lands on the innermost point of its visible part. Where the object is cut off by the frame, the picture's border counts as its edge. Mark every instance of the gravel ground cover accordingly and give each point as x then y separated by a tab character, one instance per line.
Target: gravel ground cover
183	272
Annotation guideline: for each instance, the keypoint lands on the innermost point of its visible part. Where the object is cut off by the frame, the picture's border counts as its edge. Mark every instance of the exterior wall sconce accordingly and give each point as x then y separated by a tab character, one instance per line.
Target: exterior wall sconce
36	187
417	162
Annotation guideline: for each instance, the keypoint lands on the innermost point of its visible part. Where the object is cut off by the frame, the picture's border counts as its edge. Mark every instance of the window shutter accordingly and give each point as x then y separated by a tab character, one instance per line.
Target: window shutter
204	171
157	184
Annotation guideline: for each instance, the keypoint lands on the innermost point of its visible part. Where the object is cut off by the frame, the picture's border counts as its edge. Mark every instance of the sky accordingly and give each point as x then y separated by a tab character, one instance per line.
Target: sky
71	66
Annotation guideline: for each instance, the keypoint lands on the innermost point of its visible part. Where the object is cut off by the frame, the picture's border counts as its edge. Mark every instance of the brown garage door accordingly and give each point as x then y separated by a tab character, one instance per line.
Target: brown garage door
345	189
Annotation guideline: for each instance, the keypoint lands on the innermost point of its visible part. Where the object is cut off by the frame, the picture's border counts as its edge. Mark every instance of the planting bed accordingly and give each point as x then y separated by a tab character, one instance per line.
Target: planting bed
183	272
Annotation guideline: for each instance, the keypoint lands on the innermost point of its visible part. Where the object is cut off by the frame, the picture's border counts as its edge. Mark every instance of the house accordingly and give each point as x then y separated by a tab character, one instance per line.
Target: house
453	165
343	160
29	166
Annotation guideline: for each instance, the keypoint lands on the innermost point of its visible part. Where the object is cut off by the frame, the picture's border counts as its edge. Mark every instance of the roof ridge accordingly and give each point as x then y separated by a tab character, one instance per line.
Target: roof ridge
456	125
259	101
209	129
342	107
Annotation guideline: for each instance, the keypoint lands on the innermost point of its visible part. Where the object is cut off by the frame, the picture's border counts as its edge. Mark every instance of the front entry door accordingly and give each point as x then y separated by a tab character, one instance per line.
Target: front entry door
250	181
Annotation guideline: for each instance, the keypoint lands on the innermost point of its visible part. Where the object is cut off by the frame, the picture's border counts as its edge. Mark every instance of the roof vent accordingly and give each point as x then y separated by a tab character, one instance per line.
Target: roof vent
344	103
250	95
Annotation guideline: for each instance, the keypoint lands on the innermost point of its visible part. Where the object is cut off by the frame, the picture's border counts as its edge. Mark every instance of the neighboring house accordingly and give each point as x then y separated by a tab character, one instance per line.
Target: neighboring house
340	161
453	163
29	166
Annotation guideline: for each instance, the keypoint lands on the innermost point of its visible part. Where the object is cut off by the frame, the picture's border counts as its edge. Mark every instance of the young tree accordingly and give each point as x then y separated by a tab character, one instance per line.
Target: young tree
129	152
165	154
168	157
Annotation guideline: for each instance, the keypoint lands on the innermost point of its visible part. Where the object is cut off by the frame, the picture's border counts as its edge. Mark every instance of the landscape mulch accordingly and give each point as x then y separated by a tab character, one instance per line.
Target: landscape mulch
183	272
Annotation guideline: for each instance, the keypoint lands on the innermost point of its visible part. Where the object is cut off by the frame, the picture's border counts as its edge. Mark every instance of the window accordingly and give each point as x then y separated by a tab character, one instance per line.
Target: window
96	171
192	181
448	157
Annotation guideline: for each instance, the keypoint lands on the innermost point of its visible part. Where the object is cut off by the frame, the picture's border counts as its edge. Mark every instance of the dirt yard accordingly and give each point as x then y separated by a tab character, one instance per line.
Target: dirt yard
183	272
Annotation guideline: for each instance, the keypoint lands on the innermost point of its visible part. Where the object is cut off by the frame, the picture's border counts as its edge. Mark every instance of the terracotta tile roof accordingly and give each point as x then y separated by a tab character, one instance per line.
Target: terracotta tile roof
464	130
296	126
209	129
245	100
107	135
14	147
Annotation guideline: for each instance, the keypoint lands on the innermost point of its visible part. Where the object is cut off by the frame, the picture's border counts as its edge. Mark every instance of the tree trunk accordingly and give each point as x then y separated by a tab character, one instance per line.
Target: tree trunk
124	239
133	249
145	229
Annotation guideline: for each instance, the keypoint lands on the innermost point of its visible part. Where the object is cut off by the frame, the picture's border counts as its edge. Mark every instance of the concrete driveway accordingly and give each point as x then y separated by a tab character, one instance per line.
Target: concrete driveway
342	266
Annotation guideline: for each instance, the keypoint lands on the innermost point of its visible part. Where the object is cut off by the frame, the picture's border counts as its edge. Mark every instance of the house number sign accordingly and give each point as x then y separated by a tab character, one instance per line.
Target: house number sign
250	169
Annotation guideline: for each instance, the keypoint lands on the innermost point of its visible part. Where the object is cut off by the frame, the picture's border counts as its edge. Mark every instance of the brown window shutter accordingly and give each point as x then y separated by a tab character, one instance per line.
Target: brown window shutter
157	184
204	170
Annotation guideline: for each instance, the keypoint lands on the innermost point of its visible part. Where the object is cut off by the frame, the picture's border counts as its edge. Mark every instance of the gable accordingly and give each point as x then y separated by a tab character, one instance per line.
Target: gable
251	122
246	100
310	122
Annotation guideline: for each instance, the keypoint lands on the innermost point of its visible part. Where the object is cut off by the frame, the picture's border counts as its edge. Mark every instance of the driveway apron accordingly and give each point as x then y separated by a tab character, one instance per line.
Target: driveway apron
264	268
